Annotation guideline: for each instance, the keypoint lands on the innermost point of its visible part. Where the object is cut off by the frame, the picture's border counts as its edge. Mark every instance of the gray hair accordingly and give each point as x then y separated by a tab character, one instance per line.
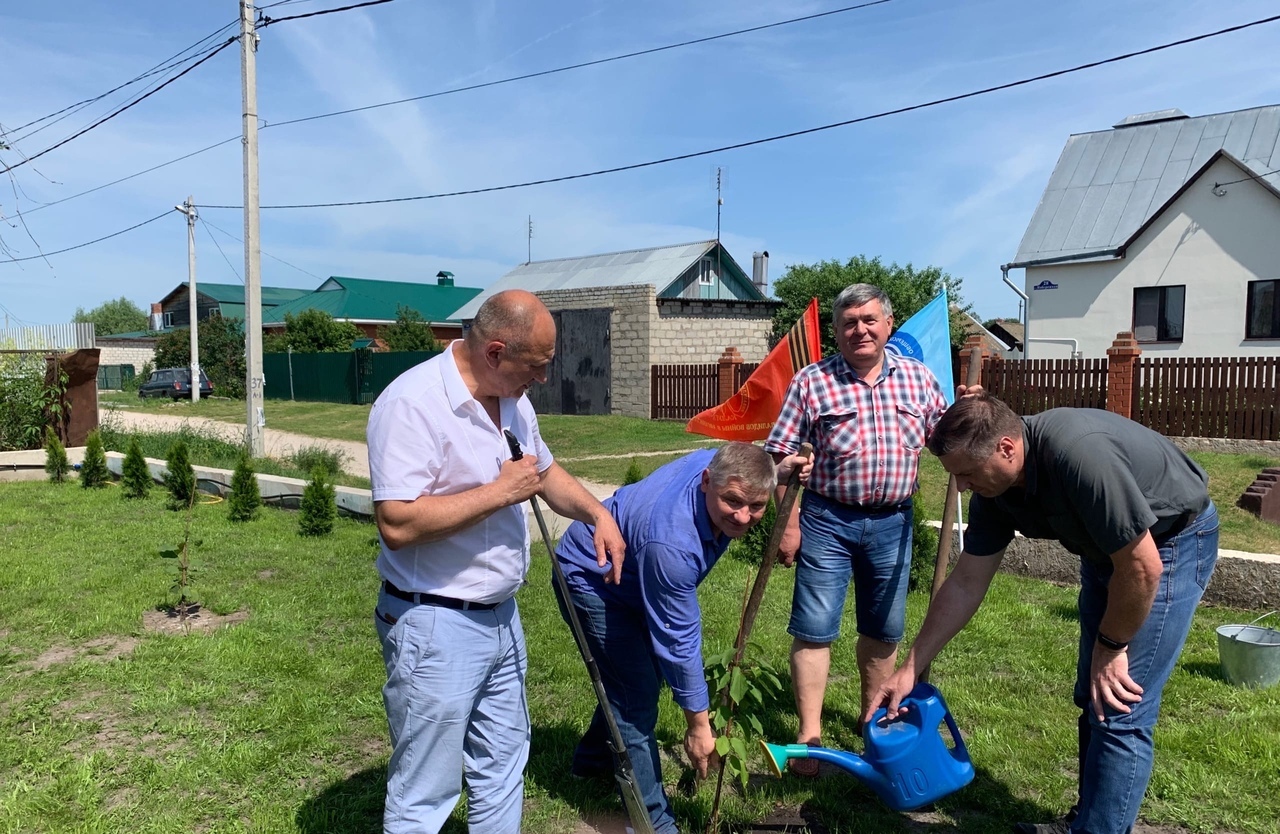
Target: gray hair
974	426
744	462
856	295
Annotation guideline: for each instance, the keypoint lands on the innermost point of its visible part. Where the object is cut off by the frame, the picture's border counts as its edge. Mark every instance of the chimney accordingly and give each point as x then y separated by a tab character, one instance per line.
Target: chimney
444	278
156	320
760	270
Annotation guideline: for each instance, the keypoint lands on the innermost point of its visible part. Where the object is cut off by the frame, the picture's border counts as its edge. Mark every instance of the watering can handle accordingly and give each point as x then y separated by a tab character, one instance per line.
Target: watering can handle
961	752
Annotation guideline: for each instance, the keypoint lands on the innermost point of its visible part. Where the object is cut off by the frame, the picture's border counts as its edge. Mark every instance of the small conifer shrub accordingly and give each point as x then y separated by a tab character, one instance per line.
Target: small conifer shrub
245	496
135	478
179	477
55	457
318	508
93	471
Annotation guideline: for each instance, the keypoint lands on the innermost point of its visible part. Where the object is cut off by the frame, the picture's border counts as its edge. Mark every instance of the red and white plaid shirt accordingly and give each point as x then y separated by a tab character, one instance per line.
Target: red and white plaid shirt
866	436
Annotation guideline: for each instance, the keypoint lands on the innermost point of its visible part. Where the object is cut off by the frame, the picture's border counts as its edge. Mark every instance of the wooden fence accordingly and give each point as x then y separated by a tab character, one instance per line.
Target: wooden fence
1034	385
1237	398
678	392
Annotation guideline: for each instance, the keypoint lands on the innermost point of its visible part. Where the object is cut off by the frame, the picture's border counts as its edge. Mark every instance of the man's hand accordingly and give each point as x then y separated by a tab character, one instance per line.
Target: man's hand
700	747
796	463
1109	682
520	479
610	548
789	545
968	391
891	693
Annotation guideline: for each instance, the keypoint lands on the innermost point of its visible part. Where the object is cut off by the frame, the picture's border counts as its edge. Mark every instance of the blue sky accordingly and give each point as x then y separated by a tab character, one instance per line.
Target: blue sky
952	186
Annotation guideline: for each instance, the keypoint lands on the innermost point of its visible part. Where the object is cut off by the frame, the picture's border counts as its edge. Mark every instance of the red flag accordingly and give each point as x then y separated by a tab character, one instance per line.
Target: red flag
750	413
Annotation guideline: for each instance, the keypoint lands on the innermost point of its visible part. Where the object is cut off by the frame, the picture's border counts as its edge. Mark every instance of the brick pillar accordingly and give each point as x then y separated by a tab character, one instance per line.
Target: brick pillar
971	344
728	385
1122	357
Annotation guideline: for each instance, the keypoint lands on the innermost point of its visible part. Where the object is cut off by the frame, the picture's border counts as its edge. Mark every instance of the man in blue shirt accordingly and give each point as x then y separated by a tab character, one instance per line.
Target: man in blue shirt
647	628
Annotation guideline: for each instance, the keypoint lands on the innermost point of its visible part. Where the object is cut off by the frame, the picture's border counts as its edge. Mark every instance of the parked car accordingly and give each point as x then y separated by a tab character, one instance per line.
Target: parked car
174	383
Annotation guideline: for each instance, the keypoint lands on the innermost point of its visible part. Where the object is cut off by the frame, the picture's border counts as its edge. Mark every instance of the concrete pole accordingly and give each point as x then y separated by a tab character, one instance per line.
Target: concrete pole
256	419
189	209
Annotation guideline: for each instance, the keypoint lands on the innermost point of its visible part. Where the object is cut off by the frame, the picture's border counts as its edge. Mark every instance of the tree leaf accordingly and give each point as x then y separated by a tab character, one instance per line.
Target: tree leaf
737	686
722	745
168	554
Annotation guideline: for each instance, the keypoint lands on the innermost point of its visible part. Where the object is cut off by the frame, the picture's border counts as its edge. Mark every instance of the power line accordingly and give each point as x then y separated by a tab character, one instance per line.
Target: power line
582	64
267	21
120	110
791	135
220	252
468	88
167	63
129	177
1257	177
268	254
87	243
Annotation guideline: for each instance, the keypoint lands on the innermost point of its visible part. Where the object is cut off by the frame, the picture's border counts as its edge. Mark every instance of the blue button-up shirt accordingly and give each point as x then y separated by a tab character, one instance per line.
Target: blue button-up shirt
670	550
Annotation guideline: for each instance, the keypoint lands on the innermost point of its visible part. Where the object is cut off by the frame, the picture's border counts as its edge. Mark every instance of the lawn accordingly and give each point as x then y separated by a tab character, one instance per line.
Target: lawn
275	724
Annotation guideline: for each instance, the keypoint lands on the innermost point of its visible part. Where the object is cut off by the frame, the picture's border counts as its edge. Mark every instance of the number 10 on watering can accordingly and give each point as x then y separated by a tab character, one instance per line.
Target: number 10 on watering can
907	762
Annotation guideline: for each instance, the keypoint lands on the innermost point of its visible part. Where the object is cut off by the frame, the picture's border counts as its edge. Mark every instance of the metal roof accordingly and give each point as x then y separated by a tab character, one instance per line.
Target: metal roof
658	267
1108	183
234	294
361	299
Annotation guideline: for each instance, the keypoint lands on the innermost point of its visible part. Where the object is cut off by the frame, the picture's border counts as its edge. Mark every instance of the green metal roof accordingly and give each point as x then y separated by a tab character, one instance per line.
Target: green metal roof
234	294
362	299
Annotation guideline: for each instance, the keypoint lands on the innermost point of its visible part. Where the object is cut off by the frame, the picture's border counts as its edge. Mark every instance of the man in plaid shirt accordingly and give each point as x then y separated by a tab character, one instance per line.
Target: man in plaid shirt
867	414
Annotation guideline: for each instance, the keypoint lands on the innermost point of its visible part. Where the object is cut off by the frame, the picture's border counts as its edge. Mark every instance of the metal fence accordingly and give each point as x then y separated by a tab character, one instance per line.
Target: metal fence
114	377
357	376
63	337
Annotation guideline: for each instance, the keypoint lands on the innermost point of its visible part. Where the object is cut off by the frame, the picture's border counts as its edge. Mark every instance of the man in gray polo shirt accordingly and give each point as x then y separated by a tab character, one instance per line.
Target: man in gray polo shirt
1137	512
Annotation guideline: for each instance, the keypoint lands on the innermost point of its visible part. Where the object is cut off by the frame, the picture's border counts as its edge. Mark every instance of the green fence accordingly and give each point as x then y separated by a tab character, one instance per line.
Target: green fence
113	377
357	376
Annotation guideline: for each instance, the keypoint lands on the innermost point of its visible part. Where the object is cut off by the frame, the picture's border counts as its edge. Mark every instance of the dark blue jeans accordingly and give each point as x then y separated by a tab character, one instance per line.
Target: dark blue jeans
1116	755
623	651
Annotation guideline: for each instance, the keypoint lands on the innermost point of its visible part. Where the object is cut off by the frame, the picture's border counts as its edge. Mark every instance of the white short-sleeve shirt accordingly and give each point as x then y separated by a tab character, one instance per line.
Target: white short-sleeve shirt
429	436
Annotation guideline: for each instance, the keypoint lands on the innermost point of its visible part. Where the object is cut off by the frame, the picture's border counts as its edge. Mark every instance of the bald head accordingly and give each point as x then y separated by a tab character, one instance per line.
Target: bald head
511	317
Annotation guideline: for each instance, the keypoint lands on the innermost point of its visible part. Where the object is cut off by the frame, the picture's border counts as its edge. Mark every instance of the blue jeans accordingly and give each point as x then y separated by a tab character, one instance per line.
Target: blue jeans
1116	755
619	640
455	705
839	542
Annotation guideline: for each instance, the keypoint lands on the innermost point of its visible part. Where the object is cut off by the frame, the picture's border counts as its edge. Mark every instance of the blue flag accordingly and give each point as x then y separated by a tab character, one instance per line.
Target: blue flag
926	337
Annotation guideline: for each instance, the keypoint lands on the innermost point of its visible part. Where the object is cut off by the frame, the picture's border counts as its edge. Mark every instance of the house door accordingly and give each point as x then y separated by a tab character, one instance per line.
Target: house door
579	377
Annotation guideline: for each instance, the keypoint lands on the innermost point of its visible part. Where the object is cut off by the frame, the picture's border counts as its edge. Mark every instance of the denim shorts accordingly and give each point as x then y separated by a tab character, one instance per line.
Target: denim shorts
839	542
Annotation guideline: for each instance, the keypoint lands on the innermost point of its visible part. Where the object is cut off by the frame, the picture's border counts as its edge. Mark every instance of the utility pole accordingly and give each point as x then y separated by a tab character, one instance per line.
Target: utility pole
529	255
189	209
253	384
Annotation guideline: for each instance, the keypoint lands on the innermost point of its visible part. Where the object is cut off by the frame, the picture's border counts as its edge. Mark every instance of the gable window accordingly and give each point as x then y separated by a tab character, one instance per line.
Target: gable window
1262	313
1158	313
706	277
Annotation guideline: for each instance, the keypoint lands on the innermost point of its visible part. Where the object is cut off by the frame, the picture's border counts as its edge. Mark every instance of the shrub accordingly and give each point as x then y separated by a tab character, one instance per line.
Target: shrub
93	471
134	382
245	497
330	460
179	477
135	480
633	473
318	508
55	457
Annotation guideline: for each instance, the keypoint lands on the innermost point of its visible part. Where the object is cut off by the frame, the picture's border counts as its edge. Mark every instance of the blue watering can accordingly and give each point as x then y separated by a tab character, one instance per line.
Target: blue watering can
907	762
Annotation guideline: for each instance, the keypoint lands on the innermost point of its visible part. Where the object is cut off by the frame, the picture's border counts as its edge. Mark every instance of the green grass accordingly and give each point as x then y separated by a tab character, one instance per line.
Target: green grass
276	724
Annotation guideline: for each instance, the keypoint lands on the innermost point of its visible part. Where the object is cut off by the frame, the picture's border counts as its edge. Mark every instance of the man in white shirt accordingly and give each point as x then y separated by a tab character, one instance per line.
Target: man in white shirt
449	504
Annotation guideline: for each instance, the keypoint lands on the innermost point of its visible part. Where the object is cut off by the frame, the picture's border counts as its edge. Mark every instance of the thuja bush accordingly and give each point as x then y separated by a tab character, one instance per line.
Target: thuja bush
318	508
179	477
55	457
135	477
245	496
93	471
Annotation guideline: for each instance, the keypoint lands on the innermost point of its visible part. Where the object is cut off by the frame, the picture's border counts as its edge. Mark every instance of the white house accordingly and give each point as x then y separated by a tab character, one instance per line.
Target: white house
1165	225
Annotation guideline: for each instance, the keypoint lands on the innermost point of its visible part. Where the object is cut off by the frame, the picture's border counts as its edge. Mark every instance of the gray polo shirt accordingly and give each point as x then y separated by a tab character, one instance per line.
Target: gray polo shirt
1094	481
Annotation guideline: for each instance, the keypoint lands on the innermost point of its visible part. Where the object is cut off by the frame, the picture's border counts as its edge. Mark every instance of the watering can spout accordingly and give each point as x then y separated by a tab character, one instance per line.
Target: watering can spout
862	770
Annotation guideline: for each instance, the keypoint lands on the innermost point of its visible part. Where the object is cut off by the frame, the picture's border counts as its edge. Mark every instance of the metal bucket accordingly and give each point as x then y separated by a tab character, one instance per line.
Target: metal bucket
1250	654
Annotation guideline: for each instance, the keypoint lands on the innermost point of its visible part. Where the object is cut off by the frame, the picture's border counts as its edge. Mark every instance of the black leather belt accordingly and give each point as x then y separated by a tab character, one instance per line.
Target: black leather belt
863	508
433	599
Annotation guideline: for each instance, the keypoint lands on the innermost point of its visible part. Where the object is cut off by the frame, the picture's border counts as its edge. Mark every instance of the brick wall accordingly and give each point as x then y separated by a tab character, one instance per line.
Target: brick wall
133	352
693	332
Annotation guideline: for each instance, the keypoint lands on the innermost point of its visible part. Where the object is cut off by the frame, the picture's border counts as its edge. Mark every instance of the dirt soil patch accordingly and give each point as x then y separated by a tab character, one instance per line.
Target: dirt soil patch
101	650
169	621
